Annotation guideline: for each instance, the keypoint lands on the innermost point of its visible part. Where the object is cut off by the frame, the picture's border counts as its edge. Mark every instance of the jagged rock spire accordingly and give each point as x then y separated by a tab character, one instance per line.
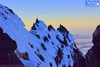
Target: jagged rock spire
50	27
33	27
39	24
37	21
62	29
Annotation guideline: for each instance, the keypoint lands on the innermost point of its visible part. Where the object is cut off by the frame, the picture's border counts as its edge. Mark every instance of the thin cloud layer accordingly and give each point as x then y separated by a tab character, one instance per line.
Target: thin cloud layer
83	42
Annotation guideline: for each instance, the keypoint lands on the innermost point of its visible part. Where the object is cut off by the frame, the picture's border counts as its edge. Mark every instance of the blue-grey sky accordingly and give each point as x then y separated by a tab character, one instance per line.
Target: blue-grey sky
73	14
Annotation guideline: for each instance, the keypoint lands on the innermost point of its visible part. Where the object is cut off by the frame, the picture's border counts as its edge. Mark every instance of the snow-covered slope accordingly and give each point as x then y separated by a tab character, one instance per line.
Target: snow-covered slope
43	46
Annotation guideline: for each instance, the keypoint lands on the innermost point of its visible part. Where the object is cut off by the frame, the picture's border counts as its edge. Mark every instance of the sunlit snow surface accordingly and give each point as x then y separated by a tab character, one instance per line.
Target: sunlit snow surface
14	27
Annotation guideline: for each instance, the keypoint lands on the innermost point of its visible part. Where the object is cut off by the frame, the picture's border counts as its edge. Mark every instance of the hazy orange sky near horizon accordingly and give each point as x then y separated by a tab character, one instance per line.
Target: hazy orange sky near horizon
74	15
74	26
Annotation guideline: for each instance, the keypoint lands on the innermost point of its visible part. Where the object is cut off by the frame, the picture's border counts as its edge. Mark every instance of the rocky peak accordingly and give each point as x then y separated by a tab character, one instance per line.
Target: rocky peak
62	29
38	25
50	27
37	21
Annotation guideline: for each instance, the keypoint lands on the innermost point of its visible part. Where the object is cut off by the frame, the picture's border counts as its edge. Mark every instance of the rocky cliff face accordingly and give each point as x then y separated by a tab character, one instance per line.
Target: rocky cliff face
7	48
93	55
79	60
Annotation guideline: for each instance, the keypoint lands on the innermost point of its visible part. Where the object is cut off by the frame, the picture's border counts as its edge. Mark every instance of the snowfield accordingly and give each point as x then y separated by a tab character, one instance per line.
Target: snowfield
45	46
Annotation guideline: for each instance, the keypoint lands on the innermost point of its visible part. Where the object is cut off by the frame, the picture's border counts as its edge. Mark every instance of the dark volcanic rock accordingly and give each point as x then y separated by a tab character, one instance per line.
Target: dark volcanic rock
93	55
34	24
96	36
79	60
59	56
62	29
37	21
50	27
7	48
45	39
24	55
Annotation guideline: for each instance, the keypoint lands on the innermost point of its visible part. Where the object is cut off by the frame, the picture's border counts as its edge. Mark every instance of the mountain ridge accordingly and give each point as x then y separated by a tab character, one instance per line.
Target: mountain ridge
49	48
42	46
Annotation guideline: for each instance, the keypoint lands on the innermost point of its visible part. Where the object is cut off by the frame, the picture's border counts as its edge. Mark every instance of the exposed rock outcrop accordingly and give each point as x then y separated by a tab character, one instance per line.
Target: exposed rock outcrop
93	55
79	60
22	55
50	27
7	48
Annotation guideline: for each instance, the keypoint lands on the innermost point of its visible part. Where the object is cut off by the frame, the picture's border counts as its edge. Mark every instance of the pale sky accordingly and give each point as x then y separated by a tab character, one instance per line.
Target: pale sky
73	14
